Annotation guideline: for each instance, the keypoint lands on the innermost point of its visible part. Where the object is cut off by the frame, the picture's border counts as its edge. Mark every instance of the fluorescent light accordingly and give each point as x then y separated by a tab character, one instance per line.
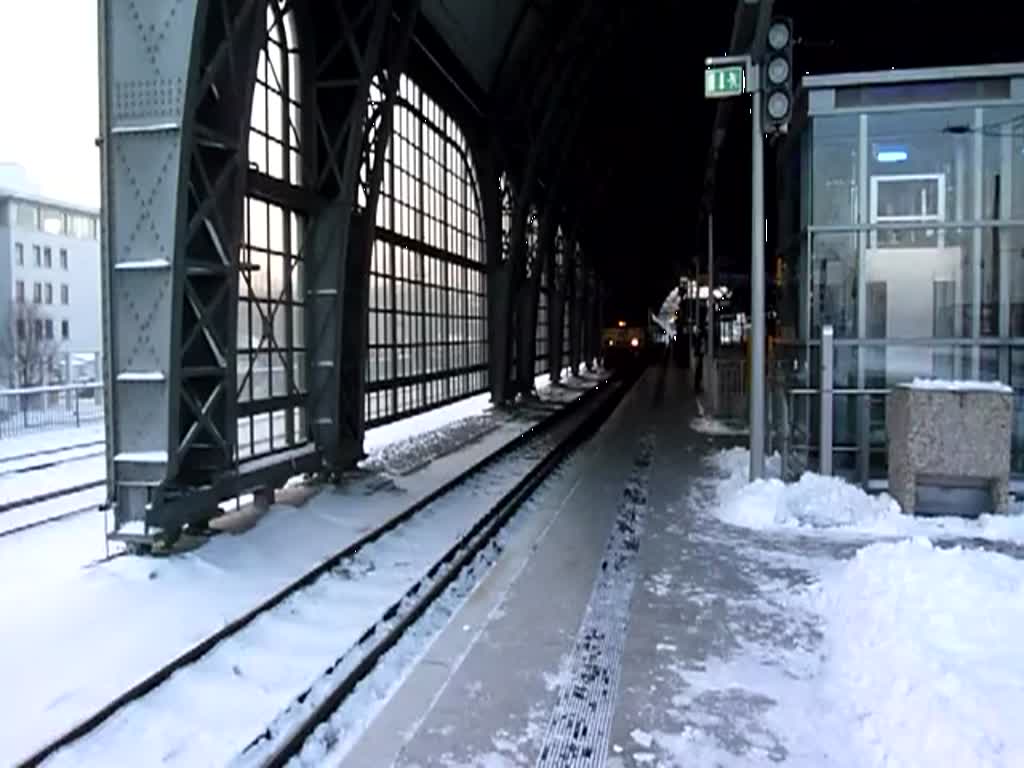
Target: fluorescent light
891	154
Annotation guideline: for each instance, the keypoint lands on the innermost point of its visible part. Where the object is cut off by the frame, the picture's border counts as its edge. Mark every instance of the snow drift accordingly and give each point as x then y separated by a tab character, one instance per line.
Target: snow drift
922	645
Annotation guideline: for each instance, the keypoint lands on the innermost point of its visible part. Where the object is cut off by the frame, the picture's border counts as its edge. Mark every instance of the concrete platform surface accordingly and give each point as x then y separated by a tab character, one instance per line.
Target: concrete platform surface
529	645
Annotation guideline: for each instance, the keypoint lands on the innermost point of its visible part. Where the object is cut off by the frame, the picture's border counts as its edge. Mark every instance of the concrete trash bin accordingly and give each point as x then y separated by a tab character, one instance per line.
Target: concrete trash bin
949	447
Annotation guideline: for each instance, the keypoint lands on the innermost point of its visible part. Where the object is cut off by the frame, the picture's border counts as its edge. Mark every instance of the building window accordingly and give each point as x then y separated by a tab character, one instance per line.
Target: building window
37	253
37	293
65	330
21	329
19	291
49	293
64	258
47	257
27	216
39	329
64	293
52	220
19	254
82	226
49	328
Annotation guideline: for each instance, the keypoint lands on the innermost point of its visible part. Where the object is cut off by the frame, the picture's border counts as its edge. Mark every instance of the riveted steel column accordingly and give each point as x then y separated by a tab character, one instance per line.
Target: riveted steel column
546	264
333	314
173	180
490	204
355	331
143	145
593	340
575	310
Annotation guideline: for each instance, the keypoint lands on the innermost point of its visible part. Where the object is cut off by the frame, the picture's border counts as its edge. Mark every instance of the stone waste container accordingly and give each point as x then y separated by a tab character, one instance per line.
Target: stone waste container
949	447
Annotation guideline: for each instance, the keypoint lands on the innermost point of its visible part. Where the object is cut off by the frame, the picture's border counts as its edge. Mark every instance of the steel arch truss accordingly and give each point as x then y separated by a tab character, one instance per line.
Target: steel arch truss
178	246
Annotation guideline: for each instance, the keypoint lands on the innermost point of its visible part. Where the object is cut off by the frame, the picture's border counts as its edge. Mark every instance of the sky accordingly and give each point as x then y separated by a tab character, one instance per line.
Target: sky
48	54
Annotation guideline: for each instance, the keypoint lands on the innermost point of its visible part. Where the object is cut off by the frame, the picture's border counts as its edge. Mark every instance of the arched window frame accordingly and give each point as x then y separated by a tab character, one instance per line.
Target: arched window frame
271	349
428	302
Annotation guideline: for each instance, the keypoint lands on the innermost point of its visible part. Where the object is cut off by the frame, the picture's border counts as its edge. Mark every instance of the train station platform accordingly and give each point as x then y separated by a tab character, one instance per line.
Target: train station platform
577	648
640	605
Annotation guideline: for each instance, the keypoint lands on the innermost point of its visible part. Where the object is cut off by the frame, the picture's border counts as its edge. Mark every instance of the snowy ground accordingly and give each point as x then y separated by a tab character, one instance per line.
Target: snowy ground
130	615
207	713
48	440
853	636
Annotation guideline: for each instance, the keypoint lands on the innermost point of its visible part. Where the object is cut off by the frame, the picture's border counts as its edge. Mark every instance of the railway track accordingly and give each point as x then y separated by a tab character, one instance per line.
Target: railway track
17	516
6	461
17	473
40	460
55	457
515	471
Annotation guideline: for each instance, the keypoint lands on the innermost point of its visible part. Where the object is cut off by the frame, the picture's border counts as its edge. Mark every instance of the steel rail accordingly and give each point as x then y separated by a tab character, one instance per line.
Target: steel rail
28	501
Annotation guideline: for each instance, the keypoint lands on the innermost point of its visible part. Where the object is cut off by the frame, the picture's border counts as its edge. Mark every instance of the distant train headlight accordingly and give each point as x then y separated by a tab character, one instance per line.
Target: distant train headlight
634	342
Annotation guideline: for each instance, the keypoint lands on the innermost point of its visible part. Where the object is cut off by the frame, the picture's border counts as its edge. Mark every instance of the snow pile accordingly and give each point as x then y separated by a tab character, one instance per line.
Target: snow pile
435	418
418	450
830	503
922	645
813	502
735	461
942	385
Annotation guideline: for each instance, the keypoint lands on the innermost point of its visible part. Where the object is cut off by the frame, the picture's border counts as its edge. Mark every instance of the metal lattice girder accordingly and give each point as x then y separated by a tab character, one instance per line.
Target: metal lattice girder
526	309
590	27
567	284
341	86
545	264
510	280
556	303
172	160
591	341
375	145
489	178
501	339
576	297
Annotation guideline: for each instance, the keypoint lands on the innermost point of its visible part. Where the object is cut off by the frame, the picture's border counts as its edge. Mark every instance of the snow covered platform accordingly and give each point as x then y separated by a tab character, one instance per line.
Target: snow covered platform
671	614
79	630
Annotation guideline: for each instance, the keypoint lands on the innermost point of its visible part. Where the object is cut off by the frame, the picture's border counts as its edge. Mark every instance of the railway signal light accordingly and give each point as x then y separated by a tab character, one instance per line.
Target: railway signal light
777	70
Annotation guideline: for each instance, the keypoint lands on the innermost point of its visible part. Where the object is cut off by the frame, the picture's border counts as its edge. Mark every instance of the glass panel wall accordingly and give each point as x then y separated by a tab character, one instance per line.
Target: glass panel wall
913	251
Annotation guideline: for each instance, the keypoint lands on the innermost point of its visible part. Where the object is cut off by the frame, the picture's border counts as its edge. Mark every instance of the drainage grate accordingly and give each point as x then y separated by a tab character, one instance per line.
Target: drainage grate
578	730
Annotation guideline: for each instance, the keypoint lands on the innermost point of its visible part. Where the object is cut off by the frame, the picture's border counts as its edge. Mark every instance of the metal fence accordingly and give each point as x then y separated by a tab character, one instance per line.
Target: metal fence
30	409
725	382
820	422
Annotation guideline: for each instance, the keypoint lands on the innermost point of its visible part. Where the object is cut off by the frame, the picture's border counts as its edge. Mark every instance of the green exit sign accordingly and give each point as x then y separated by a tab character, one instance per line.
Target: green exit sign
723	81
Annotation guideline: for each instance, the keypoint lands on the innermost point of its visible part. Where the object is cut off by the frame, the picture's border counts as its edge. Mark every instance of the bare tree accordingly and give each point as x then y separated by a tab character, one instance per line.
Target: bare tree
28	345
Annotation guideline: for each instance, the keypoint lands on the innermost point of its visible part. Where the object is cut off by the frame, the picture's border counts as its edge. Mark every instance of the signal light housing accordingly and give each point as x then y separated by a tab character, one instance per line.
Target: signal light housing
777	74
